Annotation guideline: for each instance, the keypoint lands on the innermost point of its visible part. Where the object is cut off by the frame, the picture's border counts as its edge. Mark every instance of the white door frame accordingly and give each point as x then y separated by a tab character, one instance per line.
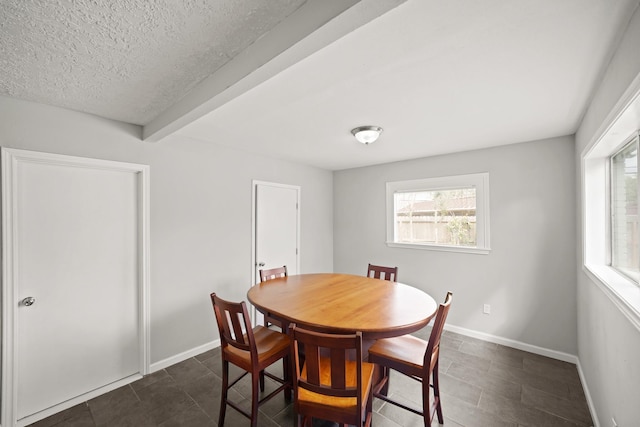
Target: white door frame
10	160
254	261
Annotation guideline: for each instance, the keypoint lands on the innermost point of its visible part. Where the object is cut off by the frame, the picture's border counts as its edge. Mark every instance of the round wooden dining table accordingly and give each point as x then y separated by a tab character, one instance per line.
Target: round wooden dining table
345	303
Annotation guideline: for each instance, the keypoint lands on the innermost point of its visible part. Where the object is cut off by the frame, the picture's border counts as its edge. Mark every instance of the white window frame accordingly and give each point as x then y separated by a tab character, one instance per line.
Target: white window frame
617	130
480	181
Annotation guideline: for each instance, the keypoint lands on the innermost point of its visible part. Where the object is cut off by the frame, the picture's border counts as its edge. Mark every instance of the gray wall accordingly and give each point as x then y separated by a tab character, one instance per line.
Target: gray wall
528	278
200	212
608	343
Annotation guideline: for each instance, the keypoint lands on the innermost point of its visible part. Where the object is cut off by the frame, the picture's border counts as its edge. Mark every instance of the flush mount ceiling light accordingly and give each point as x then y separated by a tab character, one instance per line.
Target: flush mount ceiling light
367	134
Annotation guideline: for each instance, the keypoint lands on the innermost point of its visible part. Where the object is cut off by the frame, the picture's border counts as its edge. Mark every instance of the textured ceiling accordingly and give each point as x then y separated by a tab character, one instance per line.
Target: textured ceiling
438	76
290	78
127	60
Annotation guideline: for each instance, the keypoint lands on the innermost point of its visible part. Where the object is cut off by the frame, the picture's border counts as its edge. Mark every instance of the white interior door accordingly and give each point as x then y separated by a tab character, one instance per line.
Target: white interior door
76	279
276	231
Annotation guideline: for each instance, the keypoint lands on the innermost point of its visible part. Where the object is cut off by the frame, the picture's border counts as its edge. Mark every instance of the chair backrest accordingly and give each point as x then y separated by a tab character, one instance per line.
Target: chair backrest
234	325
384	273
273	273
329	363
433	347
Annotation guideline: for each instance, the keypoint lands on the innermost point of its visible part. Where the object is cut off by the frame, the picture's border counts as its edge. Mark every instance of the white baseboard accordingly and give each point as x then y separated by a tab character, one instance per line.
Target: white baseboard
183	356
559	355
566	357
76	400
109	387
592	407
554	354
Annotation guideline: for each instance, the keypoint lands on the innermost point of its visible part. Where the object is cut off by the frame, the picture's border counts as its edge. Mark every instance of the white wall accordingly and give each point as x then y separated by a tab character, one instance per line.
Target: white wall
608	343
529	276
200	212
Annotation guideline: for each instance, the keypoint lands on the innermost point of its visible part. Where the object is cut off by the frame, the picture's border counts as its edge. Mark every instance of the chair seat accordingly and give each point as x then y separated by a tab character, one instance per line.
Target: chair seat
345	405
269	344
404	353
416	358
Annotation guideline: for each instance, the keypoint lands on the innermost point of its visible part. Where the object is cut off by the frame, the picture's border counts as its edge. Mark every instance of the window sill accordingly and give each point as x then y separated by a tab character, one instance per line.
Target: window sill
441	248
624	293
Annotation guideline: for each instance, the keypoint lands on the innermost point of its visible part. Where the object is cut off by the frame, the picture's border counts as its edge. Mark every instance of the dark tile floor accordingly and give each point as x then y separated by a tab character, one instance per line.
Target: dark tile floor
482	384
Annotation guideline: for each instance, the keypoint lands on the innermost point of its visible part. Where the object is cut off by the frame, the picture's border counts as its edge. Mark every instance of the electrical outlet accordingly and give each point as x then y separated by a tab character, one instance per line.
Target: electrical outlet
487	309
613	422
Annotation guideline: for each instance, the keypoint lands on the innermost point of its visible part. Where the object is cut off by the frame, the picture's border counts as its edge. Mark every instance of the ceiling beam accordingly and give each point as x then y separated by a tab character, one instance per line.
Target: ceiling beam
313	26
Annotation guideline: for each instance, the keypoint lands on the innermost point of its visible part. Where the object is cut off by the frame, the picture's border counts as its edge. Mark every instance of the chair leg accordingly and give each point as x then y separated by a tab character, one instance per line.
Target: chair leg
385	374
426	407
436	392
286	376
255	385
368	415
262	381
223	396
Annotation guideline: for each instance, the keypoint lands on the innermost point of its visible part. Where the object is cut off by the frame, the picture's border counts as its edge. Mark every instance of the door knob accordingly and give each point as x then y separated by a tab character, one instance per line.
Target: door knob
28	301
261	264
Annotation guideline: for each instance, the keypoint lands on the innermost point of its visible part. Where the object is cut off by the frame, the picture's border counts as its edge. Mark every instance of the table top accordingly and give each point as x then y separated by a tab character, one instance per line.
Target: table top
345	303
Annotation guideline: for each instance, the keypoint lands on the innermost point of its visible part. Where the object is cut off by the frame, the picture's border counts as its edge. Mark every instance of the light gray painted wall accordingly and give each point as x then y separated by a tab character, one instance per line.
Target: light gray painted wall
529	276
200	212
608	344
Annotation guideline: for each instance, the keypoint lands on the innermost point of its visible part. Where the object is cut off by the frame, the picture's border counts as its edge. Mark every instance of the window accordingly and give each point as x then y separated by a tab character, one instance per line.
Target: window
609	244
624	211
447	213
610	194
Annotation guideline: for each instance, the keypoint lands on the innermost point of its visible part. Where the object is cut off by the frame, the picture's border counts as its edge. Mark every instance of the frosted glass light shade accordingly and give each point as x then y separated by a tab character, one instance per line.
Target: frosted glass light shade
367	134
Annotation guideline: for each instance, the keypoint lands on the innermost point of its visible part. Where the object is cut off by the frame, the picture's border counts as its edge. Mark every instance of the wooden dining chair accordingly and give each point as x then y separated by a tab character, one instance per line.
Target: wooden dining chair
334	384
251	349
269	274
384	273
417	359
273	273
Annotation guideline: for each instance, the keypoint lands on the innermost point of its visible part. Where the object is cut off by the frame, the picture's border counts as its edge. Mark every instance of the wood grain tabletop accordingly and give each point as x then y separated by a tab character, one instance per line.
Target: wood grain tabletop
345	303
